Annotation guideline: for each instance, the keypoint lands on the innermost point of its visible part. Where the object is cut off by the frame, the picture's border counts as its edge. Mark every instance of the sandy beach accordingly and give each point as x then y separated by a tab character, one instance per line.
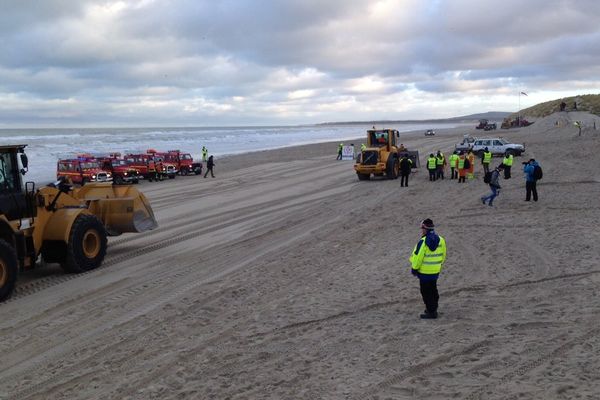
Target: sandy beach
286	278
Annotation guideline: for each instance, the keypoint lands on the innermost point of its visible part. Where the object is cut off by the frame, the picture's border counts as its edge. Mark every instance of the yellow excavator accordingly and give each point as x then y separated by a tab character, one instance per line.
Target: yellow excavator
58	222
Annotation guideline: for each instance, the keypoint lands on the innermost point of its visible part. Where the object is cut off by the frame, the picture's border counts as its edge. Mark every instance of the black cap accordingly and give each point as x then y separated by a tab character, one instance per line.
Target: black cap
427	224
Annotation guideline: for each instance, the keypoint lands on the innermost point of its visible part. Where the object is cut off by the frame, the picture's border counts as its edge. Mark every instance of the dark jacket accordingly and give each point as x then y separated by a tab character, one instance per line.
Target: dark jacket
405	165
210	163
494	180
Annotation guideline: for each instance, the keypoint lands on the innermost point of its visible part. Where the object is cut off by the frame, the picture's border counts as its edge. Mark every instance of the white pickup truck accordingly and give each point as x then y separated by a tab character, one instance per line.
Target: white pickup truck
498	146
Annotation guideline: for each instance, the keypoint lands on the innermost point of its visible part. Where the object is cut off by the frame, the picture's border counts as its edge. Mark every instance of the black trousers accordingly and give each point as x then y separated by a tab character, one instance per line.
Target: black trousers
486	167
453	173
530	188
506	172
432	174
440	172
404	180
209	169
430	295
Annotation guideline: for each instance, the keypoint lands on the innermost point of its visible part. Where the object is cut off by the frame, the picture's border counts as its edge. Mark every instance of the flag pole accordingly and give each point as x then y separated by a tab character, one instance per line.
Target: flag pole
519	112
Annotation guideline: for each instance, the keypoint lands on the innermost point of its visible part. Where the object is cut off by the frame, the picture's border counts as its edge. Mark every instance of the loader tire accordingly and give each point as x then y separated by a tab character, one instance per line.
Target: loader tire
8	269
87	245
363	177
392	169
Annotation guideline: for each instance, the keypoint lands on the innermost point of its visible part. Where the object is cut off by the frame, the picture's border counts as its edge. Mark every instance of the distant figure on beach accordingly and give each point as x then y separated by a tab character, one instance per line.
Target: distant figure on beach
563	106
340	151
494	182
204	153
401	147
210	164
405	167
426	262
575	105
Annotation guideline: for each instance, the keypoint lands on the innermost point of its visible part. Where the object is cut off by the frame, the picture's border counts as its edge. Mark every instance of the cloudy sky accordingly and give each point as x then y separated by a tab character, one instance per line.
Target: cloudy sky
254	62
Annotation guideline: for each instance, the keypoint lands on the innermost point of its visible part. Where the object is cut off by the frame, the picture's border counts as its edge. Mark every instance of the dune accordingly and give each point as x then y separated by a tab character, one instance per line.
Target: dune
284	277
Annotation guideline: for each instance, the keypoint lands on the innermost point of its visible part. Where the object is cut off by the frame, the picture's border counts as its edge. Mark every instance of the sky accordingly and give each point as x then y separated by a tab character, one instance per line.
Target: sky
88	63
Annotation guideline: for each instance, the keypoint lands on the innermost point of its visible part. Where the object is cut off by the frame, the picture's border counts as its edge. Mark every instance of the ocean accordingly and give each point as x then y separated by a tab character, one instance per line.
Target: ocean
46	146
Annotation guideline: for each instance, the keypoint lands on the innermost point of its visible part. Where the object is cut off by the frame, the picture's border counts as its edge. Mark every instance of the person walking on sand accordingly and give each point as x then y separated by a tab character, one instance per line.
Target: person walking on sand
427	260
530	179
210	164
340	151
204	153
494	182
405	166
432	166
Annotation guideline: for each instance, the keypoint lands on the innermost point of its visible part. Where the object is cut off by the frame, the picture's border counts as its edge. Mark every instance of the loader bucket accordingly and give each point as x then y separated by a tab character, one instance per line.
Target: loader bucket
121	208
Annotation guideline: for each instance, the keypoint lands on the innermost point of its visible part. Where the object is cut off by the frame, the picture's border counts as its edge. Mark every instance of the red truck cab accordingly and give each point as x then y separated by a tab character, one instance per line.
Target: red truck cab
121	171
81	170
168	168
184	161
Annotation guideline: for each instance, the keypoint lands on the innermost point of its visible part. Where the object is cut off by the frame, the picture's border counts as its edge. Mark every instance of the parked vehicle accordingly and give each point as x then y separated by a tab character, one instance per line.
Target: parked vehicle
168	168
429	132
466	144
498	147
184	162
146	165
490	127
81	170
121	171
482	124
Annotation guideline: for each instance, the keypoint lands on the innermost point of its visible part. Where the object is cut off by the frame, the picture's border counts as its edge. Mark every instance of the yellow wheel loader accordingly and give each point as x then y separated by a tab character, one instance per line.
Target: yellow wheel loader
382	155
58	222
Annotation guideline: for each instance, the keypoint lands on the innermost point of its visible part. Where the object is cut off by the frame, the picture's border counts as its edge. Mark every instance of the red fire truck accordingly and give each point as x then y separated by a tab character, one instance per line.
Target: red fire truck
82	169
121	171
146	165
169	168
184	162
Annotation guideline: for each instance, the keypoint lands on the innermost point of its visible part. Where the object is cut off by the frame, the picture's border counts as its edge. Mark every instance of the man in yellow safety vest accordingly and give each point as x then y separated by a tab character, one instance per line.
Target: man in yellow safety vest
507	161
486	159
432	166
426	262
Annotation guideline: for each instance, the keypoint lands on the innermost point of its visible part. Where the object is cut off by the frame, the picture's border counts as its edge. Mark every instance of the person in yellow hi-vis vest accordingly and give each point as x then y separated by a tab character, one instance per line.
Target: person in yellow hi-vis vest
432	166
427	260
440	161
453	165
507	161
486	159
471	169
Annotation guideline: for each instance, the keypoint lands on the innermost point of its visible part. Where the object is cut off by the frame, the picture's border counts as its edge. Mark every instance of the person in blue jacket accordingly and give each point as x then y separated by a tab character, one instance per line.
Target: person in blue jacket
530	181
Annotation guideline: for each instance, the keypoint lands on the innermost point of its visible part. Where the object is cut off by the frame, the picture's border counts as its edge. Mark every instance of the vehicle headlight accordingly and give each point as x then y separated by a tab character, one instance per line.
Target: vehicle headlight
108	175
93	176
125	173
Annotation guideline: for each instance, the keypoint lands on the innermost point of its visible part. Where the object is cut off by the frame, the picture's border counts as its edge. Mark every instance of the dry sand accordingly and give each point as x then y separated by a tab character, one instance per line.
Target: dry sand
287	278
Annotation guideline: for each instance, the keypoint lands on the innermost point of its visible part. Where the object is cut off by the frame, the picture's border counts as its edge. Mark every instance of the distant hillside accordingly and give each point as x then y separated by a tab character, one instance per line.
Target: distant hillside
586	102
490	115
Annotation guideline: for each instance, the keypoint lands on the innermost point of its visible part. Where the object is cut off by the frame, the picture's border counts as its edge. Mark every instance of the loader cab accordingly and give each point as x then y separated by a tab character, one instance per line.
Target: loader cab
12	196
382	137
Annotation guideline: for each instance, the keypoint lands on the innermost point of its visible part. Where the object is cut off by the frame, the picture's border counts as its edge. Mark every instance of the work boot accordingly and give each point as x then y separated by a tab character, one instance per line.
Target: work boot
428	315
